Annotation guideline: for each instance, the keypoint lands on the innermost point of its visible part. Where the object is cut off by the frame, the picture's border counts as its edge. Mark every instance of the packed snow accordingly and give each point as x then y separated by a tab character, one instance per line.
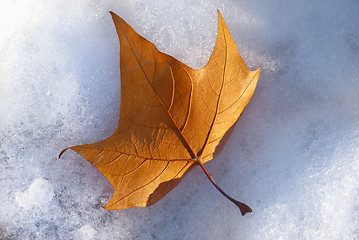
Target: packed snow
293	155
39	194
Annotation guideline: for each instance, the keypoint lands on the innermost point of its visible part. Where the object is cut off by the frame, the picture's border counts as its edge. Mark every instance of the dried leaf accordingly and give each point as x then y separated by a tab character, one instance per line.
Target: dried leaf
172	117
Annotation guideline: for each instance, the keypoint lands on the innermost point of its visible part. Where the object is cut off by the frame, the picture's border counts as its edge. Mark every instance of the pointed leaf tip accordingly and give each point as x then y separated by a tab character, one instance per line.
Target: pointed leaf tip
114	15
62	152
258	70
219	15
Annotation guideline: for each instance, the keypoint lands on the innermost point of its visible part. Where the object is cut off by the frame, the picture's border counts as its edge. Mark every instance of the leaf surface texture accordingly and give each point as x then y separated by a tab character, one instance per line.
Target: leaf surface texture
172	116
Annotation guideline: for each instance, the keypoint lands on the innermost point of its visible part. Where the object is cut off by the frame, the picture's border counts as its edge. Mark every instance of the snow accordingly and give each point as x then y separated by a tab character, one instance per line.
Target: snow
39	194
87	232
293	156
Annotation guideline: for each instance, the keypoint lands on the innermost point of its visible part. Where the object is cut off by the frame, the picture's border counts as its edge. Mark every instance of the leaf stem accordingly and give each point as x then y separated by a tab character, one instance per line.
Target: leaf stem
242	207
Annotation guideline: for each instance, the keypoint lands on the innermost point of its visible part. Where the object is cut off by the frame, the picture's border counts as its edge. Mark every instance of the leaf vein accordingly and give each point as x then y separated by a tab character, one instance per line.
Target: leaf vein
142	185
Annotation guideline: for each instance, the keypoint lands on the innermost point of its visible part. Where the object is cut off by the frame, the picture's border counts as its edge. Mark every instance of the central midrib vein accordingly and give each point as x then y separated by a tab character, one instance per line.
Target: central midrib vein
188	147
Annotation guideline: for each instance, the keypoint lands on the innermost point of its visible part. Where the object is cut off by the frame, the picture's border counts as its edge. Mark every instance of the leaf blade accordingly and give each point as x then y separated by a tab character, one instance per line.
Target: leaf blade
172	117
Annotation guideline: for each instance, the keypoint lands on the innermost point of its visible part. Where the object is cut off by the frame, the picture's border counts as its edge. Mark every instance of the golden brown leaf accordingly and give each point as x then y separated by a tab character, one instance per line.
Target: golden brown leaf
172	117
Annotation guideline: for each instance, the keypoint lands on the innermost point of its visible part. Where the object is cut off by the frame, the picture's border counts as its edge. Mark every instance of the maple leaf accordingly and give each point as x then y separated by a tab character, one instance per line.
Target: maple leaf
172	117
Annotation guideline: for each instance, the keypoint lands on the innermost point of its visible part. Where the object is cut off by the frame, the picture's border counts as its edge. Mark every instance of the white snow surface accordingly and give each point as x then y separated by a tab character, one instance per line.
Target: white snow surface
87	232
293	155
39	194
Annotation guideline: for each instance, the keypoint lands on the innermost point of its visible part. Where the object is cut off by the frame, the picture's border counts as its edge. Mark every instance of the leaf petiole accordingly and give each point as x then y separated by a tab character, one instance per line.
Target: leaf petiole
244	208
